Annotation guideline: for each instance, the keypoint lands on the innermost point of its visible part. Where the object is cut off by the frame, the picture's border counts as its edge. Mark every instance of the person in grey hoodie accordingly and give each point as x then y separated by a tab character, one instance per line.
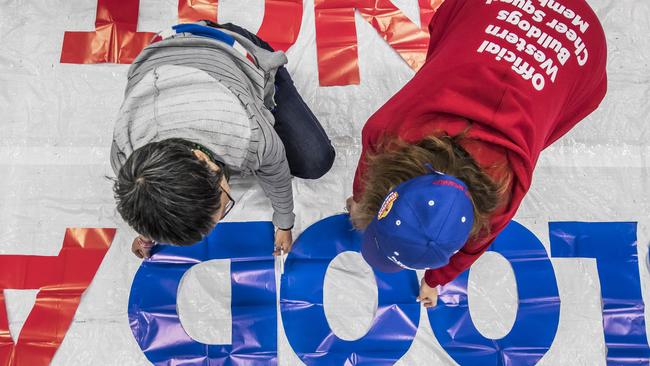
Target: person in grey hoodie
204	101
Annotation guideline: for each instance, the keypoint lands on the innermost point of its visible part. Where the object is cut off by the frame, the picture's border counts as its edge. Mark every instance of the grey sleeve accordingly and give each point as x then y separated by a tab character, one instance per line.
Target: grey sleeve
275	178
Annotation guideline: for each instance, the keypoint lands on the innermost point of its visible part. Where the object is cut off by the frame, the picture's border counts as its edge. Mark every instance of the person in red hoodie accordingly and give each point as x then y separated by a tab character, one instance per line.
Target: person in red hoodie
446	162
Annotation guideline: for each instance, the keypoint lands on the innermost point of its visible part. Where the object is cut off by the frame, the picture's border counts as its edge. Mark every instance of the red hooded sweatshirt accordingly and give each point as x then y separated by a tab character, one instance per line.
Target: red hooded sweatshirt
521	72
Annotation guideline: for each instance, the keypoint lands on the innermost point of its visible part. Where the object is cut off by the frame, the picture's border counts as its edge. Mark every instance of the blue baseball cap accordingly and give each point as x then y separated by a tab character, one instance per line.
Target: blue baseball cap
420	225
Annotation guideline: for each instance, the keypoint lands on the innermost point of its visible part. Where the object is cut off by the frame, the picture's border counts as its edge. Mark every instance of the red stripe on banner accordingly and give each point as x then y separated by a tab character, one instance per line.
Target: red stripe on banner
61	281
115	39
336	36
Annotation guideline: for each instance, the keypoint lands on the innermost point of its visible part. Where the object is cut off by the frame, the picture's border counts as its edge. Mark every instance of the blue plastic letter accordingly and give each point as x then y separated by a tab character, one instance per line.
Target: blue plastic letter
613	245
537	317
303	315
152	304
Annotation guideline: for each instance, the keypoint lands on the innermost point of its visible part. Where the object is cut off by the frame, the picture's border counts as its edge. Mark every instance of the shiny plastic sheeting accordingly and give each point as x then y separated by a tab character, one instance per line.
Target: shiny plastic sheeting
158	330
303	314
61	281
537	316
154	317
193	10
114	40
336	35
56	130
280	25
613	245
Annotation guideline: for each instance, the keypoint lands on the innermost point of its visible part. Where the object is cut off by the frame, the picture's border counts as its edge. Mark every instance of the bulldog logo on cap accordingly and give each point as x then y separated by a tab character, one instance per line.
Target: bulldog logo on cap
387	205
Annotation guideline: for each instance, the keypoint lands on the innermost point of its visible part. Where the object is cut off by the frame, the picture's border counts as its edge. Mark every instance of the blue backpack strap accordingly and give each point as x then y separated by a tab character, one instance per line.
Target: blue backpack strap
205	31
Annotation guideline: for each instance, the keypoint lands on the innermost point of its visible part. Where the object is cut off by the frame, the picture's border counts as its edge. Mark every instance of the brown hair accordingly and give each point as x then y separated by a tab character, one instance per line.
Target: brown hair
401	161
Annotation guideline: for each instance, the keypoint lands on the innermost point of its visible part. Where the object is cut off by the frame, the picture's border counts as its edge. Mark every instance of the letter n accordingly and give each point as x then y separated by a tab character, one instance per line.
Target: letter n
336	37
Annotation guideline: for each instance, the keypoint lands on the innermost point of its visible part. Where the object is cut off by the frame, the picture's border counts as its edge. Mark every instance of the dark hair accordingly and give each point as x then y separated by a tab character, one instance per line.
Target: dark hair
400	161
166	194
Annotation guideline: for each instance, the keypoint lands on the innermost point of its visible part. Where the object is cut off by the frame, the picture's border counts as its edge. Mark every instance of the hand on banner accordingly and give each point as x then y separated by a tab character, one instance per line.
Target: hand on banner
428	295
353	208
283	242
141	247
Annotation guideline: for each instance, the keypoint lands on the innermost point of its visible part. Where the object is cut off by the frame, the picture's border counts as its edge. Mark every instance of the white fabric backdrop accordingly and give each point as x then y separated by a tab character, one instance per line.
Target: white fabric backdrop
56	124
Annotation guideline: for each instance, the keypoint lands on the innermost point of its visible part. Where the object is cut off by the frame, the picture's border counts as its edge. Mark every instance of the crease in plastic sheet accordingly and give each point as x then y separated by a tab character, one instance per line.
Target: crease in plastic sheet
57	131
614	246
336	35
115	38
537	317
301	300
280	26
61	281
153	313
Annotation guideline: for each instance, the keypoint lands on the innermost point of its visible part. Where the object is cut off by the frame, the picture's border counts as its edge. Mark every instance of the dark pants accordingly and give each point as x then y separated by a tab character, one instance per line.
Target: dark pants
308	149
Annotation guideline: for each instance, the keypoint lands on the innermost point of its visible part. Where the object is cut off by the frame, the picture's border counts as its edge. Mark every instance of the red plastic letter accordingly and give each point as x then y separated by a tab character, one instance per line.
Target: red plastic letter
336	35
61	280
114	40
194	10
280	26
